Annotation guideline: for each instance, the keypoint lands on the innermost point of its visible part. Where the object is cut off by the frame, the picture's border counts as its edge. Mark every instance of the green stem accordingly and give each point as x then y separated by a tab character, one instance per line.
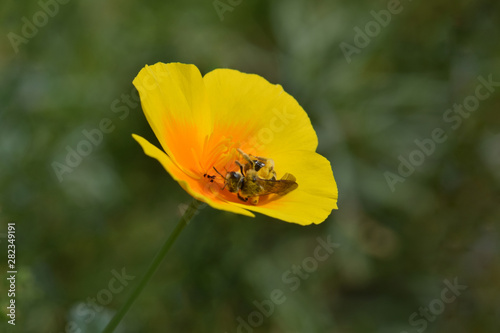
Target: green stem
188	215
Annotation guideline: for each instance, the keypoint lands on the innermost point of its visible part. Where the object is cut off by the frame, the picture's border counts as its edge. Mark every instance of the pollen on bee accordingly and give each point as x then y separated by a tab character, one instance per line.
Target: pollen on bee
256	179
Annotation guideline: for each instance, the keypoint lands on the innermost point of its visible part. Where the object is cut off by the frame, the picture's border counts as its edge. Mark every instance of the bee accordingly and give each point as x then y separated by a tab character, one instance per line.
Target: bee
263	166
250	184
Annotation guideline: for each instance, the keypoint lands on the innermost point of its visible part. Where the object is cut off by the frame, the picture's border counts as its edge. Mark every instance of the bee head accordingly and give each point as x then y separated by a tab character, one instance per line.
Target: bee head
233	181
257	165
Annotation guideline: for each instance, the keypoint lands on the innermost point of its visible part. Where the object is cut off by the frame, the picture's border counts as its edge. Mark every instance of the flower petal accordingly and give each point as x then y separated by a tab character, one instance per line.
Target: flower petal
173	100
316	196
266	117
195	188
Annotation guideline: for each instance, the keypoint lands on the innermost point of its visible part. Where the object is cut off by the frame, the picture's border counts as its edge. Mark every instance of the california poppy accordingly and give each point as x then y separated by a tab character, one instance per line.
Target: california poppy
202	121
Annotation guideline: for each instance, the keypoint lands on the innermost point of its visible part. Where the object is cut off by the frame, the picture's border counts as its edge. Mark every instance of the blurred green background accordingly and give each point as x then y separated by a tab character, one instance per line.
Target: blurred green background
114	210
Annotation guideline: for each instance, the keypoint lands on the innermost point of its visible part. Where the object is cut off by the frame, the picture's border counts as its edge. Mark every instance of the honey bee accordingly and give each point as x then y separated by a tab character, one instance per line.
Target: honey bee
263	166
257	178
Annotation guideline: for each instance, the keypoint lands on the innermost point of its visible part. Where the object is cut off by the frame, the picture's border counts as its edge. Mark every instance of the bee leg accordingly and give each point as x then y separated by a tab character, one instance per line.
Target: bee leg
241	167
241	198
245	156
254	200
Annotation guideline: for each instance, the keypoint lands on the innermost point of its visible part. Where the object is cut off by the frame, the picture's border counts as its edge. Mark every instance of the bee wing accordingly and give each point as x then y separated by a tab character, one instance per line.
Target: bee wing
280	187
288	176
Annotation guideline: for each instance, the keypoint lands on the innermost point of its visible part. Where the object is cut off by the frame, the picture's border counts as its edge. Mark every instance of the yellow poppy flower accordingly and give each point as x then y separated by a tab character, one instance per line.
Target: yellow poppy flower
201	122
